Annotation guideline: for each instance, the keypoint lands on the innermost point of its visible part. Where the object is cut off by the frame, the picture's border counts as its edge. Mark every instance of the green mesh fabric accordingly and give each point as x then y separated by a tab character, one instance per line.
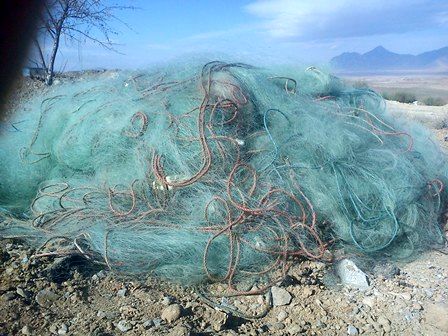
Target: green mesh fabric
222	171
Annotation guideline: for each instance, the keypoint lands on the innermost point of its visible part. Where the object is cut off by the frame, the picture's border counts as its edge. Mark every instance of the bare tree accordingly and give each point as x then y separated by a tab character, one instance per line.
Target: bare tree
76	20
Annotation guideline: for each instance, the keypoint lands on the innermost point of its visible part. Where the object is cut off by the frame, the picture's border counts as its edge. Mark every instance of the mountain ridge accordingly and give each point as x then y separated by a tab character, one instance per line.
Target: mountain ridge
382	59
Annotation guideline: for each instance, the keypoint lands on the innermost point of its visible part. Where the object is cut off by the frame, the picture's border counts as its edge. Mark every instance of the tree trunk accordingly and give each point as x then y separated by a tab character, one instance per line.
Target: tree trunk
54	52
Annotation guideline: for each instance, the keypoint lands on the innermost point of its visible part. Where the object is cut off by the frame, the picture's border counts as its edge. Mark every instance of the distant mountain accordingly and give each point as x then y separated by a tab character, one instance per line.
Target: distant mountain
380	59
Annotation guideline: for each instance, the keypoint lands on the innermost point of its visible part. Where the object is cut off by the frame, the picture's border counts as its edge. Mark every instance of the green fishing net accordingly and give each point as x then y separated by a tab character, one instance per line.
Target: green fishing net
219	171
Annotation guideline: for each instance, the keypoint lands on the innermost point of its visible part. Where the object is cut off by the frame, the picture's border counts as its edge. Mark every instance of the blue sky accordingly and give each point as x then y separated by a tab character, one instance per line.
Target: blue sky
264	31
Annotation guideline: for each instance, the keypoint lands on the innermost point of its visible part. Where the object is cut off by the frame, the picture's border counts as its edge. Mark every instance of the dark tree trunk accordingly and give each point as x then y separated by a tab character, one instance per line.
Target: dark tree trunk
54	51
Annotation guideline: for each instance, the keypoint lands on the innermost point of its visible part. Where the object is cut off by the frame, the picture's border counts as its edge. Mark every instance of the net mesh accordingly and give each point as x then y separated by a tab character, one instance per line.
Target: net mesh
221	171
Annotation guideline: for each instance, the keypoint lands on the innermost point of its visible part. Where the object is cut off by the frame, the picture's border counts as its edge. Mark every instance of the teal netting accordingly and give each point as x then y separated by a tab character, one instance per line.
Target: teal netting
224	171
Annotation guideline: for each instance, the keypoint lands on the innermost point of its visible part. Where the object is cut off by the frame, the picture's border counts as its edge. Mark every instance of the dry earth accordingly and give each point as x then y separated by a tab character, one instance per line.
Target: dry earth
68	296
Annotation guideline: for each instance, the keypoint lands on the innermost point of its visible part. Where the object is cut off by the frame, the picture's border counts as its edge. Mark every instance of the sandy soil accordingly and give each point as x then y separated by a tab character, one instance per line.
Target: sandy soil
421	86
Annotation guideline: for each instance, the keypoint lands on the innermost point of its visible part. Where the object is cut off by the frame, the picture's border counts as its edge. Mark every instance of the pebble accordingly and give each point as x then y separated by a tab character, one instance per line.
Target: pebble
171	313
8	296
148	324
351	330
179	331
351	275
63	329
307	292
369	301
417	306
277	326
167	300
46	297
406	296
386	270
280	296
282	316
26	330
124	326
122	292
22	293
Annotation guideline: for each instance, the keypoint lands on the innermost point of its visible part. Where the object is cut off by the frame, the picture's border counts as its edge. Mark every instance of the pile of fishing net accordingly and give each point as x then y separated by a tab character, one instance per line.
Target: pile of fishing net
220	171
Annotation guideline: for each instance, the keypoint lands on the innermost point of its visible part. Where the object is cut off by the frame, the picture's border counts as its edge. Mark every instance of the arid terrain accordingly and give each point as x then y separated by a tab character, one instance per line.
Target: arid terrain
70	296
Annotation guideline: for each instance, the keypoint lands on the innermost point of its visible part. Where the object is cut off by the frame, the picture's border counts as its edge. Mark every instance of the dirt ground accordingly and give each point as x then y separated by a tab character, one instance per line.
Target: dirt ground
69	296
421	86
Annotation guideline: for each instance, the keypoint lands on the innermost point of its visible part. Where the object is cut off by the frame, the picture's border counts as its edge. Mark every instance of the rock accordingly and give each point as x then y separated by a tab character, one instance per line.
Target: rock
276	326
167	300
406	296
171	313
8	296
217	319
351	275
22	293
148	324
157	322
351	330
307	292
369	301
53	328
383	321
46	297
295	329
122	292
26	330
63	329
417	306
280	296
386	270
436	316
179	331
282	316
124	326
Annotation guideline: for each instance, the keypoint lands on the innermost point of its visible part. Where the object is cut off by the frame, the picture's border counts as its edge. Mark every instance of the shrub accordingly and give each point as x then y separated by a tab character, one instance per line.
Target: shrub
402	97
431	101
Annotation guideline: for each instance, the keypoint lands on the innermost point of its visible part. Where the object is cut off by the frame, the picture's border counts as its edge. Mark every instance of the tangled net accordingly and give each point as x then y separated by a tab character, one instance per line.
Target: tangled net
224	172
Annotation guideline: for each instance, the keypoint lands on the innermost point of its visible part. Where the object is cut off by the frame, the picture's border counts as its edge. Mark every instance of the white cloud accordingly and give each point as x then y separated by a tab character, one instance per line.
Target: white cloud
319	19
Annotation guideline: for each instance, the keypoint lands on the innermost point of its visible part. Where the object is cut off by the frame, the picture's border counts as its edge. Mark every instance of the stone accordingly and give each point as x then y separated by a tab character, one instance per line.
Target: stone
167	300
406	296
282	316
351	275
124	326
383	321
22	293
369	301
63	329
436	316
179	331
122	292
8	296
280	296
157	322
171	313
307	292
26	330
386	270
276	326
46	297
148	324
417	306
351	330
